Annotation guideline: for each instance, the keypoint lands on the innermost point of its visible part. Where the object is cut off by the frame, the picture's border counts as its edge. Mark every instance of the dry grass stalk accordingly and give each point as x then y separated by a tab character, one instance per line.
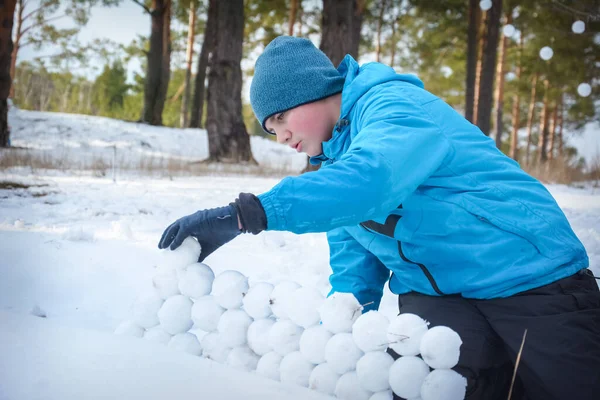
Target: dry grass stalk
514	377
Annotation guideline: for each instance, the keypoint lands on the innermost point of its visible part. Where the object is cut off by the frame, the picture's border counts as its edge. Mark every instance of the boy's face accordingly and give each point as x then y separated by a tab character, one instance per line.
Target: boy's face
306	127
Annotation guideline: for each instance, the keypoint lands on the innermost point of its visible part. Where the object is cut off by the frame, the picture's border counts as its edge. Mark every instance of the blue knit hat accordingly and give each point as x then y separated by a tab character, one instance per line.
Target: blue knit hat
289	73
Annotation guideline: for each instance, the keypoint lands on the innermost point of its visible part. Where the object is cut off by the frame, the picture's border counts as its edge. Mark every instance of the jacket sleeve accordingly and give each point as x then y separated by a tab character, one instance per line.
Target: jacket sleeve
397	147
355	270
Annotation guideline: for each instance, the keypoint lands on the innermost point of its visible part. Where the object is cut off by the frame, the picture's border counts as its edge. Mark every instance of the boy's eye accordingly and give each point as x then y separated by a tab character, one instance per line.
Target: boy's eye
280	116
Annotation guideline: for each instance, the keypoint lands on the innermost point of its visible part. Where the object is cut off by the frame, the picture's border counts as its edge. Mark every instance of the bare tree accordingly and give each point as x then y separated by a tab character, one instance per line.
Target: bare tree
228	140
542	155
185	104
552	131
207	48
488	68
474	16
7	12
341	20
514	134
500	71
380	22
293	13
159	60
530	116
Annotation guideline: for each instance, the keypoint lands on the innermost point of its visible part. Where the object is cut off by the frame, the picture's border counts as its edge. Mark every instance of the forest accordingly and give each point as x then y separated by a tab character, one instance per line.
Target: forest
524	71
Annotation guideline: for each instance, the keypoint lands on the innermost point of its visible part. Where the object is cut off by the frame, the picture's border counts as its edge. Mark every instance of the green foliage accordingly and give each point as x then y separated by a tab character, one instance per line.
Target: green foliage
110	89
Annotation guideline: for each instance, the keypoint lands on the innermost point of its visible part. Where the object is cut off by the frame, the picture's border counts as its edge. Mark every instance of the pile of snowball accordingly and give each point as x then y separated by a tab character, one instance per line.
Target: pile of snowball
294	334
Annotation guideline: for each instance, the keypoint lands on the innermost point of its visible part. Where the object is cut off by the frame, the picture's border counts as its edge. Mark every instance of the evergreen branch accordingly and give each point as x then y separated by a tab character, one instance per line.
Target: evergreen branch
31	13
143	6
575	11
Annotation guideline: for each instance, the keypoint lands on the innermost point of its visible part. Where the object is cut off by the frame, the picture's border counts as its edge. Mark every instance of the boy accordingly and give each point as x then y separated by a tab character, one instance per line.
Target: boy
408	186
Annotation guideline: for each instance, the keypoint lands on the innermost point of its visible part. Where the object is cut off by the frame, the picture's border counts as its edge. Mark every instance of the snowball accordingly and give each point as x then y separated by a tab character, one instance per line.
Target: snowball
233	327
175	315
258	336
295	369
370	331
578	27
313	342
186	342
508	30
386	395
206	313
186	254
323	379
129	328
284	336
280	294
341	353
339	311
303	305
405	332
407	375
373	371
444	384
229	288
196	280
158	335
584	89
145	310
242	358
546	53
485	4
268	365
256	301
166	283
440	347
214	348
348	388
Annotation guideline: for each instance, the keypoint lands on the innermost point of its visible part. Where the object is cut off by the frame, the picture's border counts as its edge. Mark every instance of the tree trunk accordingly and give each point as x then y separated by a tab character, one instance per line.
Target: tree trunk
379	26
159	59
530	115
394	41
561	117
341	24
293	13
341	20
552	132
543	135
7	14
474	16
514	134
183	119
16	46
228	140
500	71
207	48
481	28
488	68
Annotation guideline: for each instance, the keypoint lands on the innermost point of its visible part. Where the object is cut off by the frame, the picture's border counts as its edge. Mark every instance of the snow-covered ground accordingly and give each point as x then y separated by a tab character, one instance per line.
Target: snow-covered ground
78	249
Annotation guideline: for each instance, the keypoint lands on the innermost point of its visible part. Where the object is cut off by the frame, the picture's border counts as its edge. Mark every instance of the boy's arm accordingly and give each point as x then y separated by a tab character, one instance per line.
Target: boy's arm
397	148
355	270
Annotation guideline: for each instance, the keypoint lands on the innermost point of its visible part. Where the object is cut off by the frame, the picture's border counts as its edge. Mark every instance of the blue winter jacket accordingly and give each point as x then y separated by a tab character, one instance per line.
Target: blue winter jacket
408	185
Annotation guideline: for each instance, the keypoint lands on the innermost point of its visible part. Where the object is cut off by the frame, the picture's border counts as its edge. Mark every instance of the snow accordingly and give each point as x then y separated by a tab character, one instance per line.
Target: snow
44	360
206	313
95	252
175	315
407	375
440	347
405	333
196	280
323	379
370	331
229	288
339	311
373	371
258	336
341	353
444	384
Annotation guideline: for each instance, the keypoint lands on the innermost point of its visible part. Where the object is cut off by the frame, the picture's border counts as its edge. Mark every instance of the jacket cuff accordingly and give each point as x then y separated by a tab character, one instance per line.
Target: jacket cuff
251	213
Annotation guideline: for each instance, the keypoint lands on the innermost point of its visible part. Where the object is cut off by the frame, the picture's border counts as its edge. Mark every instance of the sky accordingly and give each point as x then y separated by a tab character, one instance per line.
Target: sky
129	20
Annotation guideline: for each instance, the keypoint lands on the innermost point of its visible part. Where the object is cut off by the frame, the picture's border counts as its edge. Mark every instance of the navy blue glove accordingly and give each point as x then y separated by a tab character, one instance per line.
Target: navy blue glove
212	228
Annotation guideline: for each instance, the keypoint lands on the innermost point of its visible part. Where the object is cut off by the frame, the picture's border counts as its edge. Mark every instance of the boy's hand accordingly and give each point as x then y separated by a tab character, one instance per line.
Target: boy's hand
213	228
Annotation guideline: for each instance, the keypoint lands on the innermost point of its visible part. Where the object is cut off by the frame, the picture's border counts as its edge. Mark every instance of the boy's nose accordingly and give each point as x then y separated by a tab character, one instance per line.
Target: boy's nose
284	137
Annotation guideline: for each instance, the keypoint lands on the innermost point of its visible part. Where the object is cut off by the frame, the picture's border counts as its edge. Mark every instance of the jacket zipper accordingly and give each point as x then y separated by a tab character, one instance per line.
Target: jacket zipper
423	268
383	229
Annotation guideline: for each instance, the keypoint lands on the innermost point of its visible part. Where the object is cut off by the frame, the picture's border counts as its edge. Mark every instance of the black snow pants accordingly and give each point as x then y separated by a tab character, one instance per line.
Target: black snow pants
561	354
